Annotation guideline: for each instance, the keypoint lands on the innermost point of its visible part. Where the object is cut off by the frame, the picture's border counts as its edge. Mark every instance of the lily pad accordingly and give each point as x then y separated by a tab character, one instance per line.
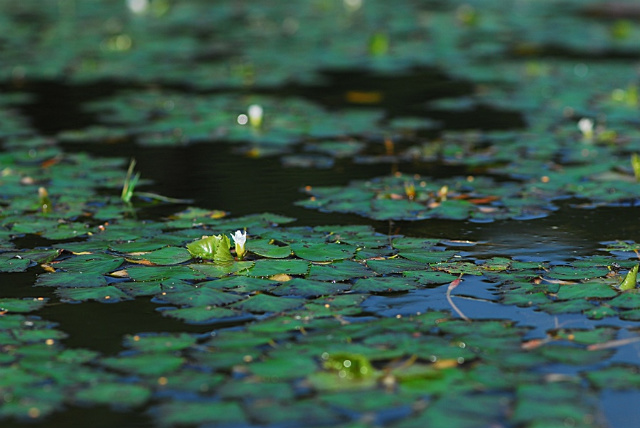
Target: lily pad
21	305
267	268
322	252
264	303
114	394
384	285
164	256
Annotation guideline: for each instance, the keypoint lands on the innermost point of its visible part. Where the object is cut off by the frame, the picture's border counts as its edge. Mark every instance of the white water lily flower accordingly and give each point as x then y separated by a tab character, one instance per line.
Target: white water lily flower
240	239
255	115
585	126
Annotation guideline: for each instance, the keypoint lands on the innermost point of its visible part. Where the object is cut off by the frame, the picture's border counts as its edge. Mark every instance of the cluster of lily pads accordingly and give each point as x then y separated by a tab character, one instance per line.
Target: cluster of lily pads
301	325
310	348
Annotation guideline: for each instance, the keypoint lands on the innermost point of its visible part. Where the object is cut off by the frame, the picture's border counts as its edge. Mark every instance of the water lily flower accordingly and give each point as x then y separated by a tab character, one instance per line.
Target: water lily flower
585	126
240	239
255	115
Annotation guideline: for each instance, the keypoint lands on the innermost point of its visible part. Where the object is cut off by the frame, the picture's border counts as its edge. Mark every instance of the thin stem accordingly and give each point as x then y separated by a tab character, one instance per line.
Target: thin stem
451	286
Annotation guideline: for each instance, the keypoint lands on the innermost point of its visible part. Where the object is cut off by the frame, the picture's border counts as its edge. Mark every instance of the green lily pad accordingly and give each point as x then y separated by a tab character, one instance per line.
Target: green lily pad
384	285
267	268
200	314
264	303
154	364
592	290
339	271
159	342
114	394
109	294
164	256
221	269
90	264
570	272
71	280
160	273
21	305
257	389
430	277
309	288
321	252
203	296
11	263
616	376
265	248
394	265
283	368
195	413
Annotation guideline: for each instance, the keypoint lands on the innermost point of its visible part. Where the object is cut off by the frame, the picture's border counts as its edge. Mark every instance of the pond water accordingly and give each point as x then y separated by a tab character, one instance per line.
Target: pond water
435	238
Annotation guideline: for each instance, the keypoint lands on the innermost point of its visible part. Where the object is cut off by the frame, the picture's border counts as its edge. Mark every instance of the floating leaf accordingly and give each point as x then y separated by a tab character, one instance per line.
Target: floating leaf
221	269
114	394
155	364
264	303
71	280
267	268
322	252
181	412
21	305
159	342
309	288
164	256
339	271
110	294
202	296
383	285
265	248
91	264
200	314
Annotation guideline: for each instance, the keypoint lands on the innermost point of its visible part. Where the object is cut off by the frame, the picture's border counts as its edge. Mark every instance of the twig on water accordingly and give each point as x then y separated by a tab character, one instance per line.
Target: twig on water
613	343
451	286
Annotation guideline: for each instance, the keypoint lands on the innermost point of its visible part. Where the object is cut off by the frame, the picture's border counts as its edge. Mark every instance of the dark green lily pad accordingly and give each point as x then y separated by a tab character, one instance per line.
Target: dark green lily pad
309	288
264	303
394	265
90	264
616	376
159	342
11	263
430	277
202	296
571	272
159	273
265	248
593	290
339	271
283	368
383	285
322	252
21	305
154	364
200	314
164	256
109	294
199	412
219	270
114	394
71	280
267	268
